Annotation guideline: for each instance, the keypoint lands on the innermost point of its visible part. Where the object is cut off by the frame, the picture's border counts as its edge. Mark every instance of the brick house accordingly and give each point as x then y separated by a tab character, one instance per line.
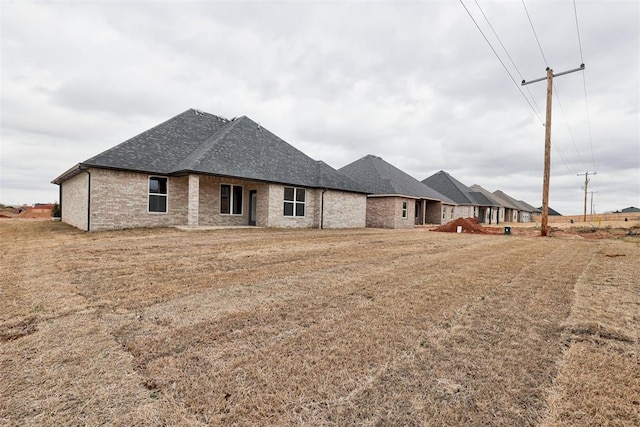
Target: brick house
198	169
395	200
469	203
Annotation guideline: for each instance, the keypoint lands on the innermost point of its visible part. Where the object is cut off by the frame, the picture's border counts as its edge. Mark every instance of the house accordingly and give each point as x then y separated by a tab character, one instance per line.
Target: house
496	207
630	209
199	169
511	208
469	203
396	199
550	212
526	211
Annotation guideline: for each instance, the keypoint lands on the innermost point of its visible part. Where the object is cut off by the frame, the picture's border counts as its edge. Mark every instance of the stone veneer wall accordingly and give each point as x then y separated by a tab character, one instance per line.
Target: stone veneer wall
344	210
75	201
120	200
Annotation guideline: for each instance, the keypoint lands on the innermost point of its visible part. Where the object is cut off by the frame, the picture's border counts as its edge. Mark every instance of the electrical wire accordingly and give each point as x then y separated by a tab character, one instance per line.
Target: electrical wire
501	62
534	34
566	121
555	90
584	85
508	56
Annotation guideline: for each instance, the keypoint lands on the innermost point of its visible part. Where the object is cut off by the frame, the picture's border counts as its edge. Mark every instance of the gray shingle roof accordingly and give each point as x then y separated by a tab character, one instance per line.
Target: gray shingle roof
160	148
514	204
483	196
377	176
445	184
198	142
506	200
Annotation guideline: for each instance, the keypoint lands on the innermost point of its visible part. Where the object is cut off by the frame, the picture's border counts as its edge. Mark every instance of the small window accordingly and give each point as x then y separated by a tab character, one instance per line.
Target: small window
157	194
405	214
294	201
230	199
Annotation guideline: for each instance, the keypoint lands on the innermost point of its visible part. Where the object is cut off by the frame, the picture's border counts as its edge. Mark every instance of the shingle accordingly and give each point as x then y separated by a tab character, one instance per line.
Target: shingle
160	148
377	176
483	196
447	185
198	142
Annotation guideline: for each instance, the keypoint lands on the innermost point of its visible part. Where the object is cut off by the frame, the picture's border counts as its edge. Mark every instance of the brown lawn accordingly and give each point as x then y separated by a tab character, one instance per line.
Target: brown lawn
316	327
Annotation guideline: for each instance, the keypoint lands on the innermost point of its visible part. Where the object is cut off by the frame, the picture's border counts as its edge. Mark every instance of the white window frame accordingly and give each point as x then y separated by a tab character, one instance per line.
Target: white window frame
294	202
405	210
231	199
149	194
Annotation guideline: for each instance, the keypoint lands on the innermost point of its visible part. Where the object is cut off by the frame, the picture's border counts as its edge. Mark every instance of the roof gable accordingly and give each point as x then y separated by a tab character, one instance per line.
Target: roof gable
198	142
483	196
160	148
447	185
377	176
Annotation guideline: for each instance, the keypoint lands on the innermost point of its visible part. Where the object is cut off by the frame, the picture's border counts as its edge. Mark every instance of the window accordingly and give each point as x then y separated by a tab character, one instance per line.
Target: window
157	194
404	210
230	199
294	201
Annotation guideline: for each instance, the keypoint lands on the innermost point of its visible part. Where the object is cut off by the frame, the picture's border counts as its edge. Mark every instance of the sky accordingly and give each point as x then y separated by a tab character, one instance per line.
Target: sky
413	82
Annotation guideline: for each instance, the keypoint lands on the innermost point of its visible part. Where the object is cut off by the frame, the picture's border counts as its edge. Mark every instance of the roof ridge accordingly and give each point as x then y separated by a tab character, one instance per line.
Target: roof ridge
188	162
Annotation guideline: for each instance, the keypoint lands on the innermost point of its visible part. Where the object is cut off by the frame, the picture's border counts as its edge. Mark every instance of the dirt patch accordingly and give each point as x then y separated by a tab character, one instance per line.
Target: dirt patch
469	225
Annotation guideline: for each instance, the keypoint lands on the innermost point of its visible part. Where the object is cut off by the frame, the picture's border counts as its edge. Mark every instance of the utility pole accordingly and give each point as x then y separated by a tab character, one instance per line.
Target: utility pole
547	143
586	186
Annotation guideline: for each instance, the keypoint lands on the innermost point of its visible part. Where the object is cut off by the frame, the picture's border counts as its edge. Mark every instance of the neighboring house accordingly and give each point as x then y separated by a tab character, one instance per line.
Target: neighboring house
526	211
494	208
396	199
469	203
198	169
630	209
511	208
550	212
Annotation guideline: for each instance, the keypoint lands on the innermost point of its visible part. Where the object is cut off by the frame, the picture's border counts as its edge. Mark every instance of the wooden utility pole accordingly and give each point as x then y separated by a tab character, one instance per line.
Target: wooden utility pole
547	143
586	186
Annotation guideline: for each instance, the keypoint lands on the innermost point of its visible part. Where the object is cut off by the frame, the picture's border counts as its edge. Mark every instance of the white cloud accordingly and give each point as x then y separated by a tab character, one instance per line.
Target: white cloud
412	82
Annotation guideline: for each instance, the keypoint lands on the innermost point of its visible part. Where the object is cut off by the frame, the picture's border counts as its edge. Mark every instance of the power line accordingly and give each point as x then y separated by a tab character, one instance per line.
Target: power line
575	13
584	85
555	91
508	56
534	34
501	62
557	94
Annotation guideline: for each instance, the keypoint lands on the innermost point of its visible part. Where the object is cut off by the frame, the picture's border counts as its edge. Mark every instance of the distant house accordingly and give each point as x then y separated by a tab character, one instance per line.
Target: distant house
550	211
198	169
396	199
515	210
631	209
511	208
469	203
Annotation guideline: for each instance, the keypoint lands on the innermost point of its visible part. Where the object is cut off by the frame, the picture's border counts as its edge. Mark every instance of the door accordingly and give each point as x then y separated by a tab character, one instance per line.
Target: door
253	206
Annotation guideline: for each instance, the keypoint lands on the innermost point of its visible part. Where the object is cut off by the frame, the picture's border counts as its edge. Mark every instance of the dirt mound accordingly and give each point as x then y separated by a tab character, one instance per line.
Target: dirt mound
469	225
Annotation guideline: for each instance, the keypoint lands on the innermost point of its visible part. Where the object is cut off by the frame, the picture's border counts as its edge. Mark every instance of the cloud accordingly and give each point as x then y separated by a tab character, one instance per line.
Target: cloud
412	82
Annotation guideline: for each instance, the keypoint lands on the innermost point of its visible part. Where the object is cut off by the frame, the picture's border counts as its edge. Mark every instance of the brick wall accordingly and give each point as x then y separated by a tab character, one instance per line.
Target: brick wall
75	201
120	200
209	204
386	212
276	209
344	210
434	212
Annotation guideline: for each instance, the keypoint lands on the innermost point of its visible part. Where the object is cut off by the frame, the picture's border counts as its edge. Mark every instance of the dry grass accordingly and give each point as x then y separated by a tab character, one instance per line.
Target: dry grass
308	327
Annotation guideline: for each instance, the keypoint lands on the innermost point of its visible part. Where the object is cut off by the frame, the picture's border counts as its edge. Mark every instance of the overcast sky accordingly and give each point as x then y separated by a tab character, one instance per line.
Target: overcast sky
413	82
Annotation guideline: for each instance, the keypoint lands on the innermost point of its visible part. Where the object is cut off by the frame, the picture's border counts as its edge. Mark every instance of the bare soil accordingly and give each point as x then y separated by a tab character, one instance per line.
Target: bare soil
316	327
